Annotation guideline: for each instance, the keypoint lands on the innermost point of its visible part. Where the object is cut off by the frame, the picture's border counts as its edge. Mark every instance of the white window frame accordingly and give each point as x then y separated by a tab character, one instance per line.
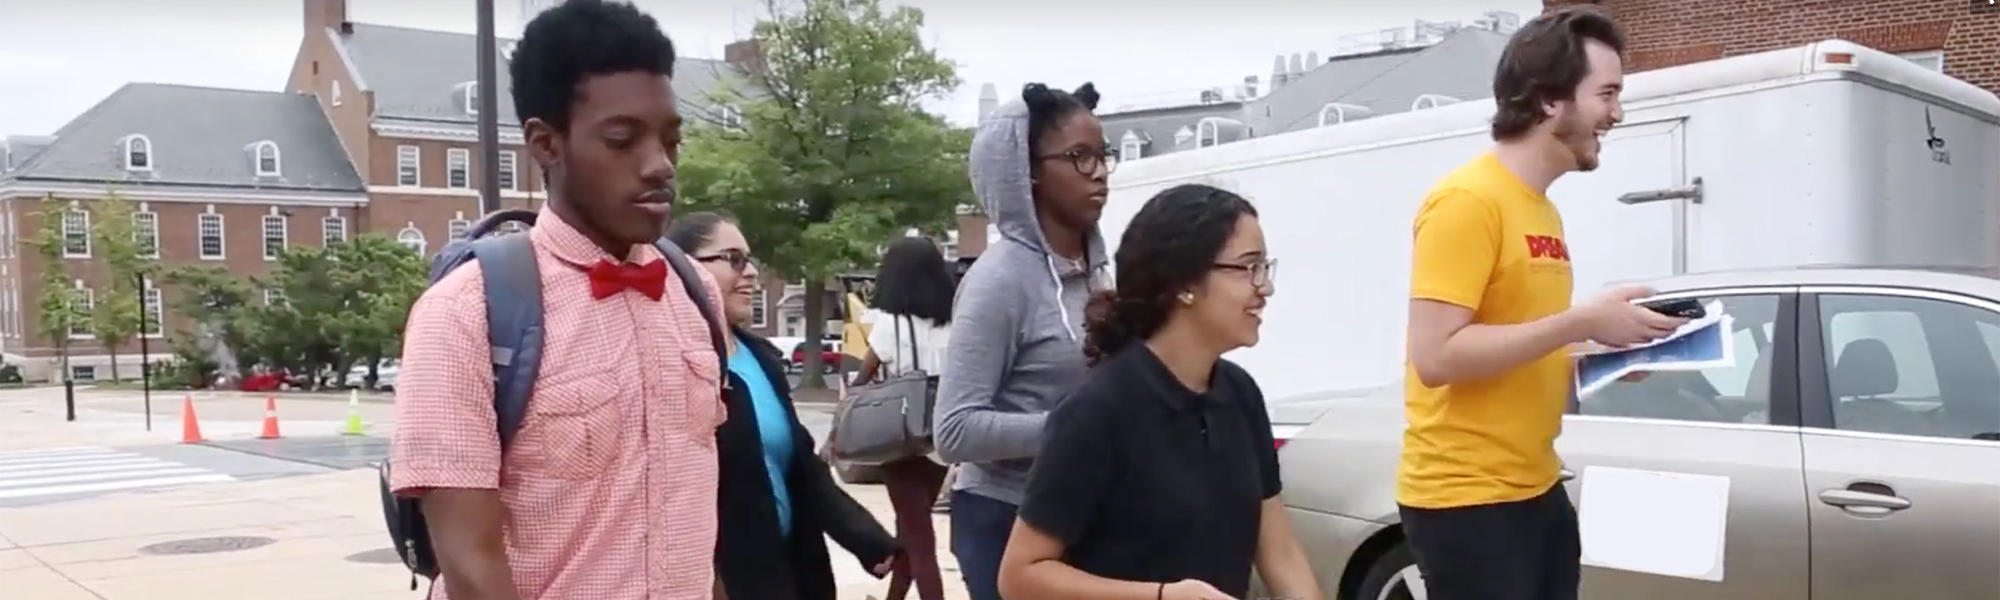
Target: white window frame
760	306
458	168
142	147
284	237
1132	149
274	297
413	238
1932	59
409	166
510	171
154	309
88	298
76	222
277	160
471	97
457	228
332	230
146	232
201	224
731	117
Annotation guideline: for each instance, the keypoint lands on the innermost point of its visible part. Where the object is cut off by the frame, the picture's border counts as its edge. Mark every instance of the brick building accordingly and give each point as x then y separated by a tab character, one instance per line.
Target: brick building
1946	34
222	177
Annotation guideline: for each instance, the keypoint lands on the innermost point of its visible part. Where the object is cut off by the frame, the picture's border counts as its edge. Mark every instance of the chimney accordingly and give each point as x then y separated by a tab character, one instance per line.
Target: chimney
325	14
1298	65
1250	85
1312	60
744	54
989	100
1278	72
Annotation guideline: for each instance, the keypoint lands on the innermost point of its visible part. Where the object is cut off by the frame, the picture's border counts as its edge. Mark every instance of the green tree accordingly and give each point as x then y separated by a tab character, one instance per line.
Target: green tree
118	307
383	278
217	301
833	155
60	306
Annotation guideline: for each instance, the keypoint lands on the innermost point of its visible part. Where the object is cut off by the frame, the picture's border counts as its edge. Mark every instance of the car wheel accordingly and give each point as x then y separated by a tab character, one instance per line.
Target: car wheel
1394	576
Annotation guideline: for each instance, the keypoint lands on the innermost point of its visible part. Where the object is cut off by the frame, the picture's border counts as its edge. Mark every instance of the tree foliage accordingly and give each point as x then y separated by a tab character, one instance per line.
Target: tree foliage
60	306
833	155
330	308
117	310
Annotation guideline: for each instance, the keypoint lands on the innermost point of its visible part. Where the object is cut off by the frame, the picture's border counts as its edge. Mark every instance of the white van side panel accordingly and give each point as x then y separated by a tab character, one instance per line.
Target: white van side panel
1823	166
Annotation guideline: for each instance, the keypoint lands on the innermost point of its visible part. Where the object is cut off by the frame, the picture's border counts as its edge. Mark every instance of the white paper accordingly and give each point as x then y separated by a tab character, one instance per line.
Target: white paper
1711	314
1672	524
1706	347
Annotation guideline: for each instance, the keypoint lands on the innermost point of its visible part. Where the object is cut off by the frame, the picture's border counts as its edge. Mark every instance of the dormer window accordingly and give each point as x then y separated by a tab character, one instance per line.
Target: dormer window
470	92
335	93
1132	146
265	154
1183	135
731	117
138	153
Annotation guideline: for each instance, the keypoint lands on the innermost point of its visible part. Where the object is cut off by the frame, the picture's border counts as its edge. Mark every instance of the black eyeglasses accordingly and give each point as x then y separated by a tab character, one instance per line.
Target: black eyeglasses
1087	162
1262	273
738	260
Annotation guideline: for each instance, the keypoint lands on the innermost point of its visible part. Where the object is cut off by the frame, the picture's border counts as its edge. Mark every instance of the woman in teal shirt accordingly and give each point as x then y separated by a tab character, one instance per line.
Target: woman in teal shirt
777	500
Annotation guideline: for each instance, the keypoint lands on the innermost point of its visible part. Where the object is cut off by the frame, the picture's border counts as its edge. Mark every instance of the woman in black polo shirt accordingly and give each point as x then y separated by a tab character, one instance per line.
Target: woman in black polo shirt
1158	478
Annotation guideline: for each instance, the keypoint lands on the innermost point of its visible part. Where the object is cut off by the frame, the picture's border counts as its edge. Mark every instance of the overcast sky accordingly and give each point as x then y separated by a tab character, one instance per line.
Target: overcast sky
58	57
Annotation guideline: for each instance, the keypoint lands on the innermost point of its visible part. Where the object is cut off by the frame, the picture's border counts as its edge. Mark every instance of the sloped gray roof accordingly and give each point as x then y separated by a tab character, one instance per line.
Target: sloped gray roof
200	136
1460	66
416	73
1158	125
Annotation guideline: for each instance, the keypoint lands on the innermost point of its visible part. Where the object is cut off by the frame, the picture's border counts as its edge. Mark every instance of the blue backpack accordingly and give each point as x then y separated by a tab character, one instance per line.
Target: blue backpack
514	325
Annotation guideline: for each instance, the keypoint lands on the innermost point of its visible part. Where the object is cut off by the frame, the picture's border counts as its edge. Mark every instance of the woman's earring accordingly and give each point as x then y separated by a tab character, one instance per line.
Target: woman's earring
1187	297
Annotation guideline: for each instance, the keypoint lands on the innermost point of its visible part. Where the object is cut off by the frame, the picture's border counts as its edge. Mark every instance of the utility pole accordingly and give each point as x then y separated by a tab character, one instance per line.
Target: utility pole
489	109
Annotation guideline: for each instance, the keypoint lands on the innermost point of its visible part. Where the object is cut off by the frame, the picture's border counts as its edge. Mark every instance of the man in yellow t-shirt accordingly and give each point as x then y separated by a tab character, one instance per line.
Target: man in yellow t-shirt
1490	323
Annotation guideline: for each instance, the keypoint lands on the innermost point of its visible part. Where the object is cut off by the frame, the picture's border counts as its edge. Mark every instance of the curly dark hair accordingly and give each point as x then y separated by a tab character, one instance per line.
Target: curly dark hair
574	41
1048	107
915	281
1545	62
691	230
1170	246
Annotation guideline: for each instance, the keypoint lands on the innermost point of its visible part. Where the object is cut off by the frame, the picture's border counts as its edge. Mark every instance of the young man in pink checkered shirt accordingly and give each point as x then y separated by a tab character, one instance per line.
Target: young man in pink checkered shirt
608	490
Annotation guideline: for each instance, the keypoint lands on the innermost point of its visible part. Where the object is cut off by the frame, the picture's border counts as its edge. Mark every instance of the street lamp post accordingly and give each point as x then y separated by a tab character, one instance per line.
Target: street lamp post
145	350
489	107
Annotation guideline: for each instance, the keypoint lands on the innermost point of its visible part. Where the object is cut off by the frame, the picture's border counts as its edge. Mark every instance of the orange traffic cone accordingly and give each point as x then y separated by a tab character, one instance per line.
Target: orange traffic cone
190	427
270	419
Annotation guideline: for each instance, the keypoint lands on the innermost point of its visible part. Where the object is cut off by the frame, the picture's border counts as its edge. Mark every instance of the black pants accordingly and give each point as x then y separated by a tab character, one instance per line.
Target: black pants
1526	550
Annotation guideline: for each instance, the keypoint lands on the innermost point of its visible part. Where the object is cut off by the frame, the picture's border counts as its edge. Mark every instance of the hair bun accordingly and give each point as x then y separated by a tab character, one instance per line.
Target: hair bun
1038	95
1087	94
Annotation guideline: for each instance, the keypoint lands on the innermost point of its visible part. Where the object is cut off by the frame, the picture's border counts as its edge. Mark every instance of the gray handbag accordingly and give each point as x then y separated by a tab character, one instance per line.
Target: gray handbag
888	420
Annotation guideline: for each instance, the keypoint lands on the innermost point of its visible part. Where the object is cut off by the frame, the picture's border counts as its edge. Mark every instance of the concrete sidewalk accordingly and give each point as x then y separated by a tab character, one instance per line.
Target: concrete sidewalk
316	537
34	418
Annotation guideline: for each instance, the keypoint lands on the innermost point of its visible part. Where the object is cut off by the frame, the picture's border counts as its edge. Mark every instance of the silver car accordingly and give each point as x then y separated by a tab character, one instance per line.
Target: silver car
1860	428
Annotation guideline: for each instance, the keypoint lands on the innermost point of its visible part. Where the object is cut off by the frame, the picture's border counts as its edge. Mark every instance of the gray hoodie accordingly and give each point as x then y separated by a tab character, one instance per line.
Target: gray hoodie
1017	330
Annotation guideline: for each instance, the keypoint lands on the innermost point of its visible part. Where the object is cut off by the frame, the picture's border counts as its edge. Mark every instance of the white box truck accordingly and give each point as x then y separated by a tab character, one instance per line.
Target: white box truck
1829	153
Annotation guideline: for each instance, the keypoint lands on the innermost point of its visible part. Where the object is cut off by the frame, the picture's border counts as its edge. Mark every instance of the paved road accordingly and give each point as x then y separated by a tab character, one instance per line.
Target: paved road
30	477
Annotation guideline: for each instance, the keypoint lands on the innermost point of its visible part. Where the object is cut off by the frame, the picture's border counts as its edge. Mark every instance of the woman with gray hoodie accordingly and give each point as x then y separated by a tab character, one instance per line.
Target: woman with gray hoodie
1039	166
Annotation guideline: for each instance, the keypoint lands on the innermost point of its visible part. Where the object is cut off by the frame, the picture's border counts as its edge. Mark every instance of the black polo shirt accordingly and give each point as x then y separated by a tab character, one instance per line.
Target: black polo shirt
1145	480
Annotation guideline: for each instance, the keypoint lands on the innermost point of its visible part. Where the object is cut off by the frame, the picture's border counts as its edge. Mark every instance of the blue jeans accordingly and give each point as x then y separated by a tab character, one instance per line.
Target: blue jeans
979	529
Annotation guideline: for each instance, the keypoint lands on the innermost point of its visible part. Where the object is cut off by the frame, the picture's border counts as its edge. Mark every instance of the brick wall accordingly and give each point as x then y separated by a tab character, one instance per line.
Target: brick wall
1664	33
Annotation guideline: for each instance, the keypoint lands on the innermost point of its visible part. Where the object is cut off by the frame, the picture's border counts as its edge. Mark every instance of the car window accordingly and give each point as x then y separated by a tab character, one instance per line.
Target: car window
1734	394
1912	366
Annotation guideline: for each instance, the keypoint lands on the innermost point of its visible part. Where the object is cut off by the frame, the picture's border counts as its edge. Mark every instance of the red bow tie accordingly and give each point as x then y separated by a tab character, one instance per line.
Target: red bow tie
608	278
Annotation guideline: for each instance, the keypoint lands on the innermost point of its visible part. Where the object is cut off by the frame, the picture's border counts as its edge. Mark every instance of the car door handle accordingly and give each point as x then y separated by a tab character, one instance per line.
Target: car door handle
1858	499
1565	475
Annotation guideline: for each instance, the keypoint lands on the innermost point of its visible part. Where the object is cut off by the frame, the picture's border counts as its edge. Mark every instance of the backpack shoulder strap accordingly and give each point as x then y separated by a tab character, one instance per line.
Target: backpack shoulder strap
691	280
513	323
